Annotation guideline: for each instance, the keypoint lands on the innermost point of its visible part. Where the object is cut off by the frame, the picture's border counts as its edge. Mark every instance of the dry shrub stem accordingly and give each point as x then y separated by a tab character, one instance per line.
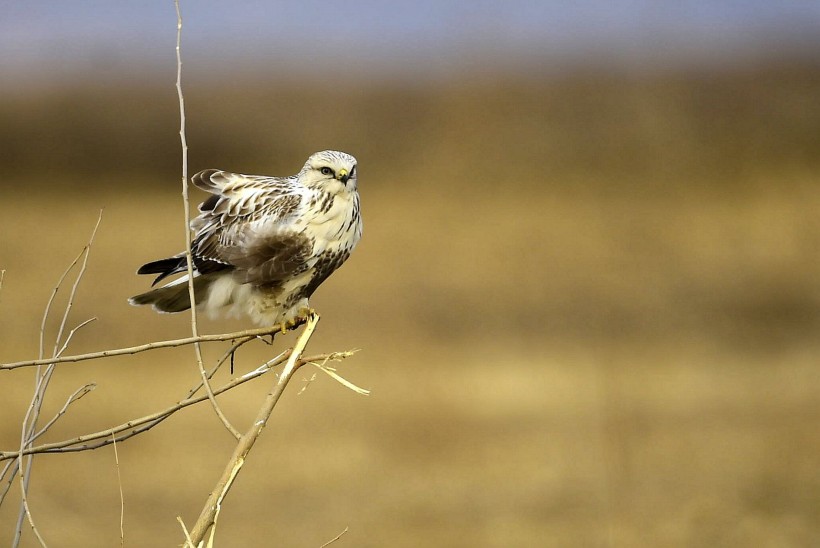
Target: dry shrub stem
208	516
187	216
102	438
119	487
242	336
79	393
42	379
334	539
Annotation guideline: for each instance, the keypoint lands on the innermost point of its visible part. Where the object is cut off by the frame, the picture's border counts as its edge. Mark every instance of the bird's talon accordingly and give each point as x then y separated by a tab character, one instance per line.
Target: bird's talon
306	313
302	316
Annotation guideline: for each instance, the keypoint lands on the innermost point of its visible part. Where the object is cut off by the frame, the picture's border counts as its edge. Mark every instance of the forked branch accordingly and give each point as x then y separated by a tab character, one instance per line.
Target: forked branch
207	519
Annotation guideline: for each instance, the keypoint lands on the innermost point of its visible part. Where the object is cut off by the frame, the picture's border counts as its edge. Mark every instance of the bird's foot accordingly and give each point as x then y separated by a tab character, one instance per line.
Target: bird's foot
305	313
287	325
301	317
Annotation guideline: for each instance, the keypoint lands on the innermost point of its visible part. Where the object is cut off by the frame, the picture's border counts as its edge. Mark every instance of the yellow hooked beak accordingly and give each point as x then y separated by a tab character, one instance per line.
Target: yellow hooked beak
343	175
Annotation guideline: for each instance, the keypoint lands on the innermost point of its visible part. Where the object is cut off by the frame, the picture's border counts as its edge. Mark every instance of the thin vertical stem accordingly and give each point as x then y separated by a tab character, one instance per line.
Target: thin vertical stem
188	256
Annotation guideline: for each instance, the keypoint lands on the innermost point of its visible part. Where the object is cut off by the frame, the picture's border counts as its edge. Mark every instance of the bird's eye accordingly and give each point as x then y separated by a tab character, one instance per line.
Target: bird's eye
327	171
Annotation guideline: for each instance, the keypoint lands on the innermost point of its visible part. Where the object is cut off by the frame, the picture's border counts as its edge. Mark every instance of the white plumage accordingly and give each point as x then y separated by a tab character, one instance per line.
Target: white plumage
262	245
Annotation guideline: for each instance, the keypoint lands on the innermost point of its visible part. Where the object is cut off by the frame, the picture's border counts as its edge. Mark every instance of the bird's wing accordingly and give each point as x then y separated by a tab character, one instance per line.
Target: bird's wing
247	224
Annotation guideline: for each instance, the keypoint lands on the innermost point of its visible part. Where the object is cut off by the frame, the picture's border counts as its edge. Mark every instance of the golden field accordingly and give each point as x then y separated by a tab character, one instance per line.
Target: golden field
587	305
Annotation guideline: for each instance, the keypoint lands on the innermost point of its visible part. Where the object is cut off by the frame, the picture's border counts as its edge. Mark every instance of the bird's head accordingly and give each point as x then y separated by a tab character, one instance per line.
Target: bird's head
330	170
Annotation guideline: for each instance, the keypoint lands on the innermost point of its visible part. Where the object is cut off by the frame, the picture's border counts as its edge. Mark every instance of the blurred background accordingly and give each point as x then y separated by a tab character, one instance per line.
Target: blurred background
587	295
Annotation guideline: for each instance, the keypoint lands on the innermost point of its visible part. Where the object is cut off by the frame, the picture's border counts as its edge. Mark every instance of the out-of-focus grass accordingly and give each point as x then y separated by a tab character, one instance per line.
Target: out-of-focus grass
587	310
627	130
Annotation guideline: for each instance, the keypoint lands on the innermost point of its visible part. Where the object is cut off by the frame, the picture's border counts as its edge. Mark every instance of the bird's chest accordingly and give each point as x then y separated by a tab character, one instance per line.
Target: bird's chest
330	221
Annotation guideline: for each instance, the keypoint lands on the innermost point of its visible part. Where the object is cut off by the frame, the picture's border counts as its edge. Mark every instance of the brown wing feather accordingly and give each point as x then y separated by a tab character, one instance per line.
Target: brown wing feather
228	236
271	259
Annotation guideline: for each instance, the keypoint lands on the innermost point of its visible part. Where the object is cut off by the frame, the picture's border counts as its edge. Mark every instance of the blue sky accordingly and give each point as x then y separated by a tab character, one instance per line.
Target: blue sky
52	40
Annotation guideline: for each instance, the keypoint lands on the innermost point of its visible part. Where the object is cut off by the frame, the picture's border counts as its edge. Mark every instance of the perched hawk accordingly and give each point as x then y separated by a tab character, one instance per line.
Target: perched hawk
262	245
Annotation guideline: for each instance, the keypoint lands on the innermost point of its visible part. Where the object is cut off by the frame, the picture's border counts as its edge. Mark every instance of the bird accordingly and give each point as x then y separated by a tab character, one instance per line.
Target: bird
262	245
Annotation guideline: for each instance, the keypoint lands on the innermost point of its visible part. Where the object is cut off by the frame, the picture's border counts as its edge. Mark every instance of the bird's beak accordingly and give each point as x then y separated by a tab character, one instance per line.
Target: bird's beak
343	175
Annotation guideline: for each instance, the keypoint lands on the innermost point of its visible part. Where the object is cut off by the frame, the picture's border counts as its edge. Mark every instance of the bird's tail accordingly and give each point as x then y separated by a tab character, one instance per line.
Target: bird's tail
174	297
165	267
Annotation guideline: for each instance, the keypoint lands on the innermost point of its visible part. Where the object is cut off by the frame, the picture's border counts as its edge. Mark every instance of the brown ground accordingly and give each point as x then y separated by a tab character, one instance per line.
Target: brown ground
588	313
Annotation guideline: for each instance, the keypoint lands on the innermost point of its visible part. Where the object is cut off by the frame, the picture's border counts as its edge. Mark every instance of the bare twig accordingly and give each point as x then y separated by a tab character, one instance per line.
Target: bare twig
184	144
307	384
208	515
142	424
187	217
119	485
79	393
264	367
14	465
248	335
10	468
188	542
29	426
188	256
25	511
71	334
74	287
331	371
47	310
231	352
334	539
151	420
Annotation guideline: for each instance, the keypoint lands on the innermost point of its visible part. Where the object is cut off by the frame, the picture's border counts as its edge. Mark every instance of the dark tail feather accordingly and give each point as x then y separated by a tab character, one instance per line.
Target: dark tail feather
174	298
164	267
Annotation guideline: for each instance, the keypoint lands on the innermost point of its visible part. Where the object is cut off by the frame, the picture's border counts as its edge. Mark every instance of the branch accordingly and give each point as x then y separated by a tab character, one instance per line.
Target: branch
71	335
208	516
334	539
188	256
74	287
331	371
11	466
147	422
122	497
79	393
47	310
29	426
249	334
142	424
188	542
